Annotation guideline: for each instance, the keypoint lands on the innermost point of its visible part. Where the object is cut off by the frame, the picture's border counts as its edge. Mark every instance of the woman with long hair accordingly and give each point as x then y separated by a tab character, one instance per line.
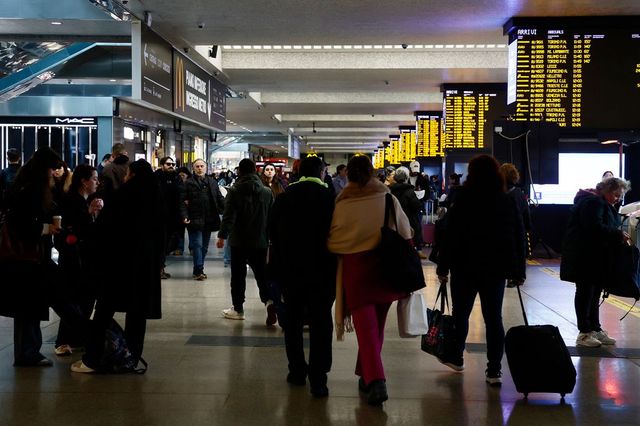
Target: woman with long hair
484	246
130	282
76	245
24	295
355	235
271	180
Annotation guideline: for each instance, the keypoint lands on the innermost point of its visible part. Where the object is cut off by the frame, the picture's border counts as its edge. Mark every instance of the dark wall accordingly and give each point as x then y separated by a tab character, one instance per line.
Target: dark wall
549	223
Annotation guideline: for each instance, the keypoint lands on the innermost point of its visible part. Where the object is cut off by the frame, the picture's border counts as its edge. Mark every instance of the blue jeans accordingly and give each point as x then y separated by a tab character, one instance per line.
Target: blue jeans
463	294
199	243
226	254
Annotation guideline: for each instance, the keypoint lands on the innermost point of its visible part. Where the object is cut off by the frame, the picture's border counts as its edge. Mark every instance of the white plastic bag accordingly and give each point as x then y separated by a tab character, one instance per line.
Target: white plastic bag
412	316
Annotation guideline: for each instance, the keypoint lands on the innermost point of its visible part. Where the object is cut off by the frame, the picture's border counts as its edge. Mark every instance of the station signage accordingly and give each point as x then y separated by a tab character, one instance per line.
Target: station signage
197	95
157	63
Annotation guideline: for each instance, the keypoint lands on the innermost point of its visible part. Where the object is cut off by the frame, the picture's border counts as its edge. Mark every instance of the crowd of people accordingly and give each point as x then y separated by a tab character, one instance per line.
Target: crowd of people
311	241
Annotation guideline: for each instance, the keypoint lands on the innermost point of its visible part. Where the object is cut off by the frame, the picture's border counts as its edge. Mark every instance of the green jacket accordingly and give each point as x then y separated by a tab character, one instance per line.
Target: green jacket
246	213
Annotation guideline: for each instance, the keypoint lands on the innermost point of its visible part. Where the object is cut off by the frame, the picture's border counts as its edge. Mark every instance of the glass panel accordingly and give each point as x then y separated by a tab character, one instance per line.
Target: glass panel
42	133
56	139
69	146
94	145
29	141
83	145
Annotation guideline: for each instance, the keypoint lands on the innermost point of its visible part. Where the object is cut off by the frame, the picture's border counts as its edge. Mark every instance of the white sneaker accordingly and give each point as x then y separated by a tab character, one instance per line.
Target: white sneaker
603	337
232	314
587	340
80	367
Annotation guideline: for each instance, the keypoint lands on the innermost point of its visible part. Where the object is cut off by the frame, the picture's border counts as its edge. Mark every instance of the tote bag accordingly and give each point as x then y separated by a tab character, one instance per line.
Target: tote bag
412	316
439	339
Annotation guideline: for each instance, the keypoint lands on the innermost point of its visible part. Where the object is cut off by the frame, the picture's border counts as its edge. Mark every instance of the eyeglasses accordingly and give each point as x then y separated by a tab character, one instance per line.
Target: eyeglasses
170	164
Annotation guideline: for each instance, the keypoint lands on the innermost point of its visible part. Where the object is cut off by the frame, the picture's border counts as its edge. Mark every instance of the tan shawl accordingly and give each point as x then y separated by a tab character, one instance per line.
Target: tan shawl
355	228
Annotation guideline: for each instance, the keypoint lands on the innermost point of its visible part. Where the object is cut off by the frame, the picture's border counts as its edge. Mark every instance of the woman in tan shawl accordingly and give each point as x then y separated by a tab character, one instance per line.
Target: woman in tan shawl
355	235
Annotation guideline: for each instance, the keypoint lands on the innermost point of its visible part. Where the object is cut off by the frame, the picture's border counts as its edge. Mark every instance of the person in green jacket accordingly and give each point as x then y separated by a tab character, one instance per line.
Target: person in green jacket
244	223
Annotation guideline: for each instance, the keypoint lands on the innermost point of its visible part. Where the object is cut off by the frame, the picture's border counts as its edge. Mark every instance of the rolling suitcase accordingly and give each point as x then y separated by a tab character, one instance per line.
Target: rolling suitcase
538	358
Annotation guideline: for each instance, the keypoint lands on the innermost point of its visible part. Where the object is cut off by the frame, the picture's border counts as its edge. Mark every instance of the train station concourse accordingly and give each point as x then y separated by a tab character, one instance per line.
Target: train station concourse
420	87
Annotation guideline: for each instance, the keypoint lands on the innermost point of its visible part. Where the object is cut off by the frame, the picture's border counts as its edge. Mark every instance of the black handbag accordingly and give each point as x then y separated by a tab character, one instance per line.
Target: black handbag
401	264
440	338
624	276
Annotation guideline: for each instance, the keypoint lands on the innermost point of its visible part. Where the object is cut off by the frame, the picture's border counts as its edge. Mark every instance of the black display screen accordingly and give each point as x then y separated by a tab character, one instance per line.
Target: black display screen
468	114
575	77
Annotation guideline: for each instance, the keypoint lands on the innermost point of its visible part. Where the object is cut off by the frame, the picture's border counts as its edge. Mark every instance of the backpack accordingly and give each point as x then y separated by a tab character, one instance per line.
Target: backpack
116	357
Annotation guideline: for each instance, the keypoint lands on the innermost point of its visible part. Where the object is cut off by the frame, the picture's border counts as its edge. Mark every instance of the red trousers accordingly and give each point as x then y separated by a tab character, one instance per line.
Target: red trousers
369	322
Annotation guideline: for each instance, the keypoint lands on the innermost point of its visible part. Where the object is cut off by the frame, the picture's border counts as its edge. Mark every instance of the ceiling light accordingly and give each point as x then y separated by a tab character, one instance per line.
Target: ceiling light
459	46
347	47
368	46
470	46
449	46
297	47
358	46
397	46
337	47
426	46
238	47
609	142
266	47
257	47
287	47
113	80
326	47
277	47
388	46
308	47
439	46
56	23
246	47
491	46
226	46
501	46
480	46
377	46
317	47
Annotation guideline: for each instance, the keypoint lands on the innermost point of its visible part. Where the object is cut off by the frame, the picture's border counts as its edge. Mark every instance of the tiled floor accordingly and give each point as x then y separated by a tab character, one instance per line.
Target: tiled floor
202	370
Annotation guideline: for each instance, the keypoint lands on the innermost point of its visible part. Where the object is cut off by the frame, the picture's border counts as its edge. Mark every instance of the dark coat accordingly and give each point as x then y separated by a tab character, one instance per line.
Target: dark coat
202	203
131	237
521	203
411	206
170	186
246	213
76	244
593	231
484	237
26	287
299	228
112	176
6	179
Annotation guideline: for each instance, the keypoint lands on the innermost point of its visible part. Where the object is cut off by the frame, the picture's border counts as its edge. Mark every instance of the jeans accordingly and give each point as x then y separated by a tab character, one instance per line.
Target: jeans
199	244
256	258
463	295
586	305
27	340
226	254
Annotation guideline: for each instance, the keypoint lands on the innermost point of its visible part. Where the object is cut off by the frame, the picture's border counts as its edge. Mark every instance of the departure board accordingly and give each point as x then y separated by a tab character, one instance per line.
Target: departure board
394	143
468	113
429	131
407	143
575	76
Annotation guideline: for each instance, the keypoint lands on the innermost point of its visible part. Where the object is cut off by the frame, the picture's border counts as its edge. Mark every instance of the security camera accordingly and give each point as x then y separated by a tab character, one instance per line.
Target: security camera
69	81
185	49
201	25
405	45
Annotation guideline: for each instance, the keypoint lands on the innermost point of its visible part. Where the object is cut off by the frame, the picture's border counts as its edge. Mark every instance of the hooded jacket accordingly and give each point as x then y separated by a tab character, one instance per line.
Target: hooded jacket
246	213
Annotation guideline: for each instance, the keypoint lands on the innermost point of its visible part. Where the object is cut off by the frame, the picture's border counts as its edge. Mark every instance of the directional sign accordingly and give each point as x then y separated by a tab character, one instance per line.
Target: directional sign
156	69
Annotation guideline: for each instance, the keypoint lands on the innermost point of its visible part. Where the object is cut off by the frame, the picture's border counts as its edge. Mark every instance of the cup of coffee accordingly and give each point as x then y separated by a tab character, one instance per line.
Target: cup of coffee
57	221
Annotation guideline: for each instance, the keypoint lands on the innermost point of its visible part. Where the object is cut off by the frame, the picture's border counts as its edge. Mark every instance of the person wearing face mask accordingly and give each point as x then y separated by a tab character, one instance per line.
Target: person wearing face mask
271	180
201	204
76	245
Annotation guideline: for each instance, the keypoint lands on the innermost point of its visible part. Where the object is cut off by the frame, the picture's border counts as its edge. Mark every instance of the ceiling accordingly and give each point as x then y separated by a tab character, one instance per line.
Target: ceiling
347	93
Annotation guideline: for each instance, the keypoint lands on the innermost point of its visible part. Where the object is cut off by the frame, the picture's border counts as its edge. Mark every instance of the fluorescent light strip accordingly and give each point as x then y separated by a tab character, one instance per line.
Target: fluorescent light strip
364	47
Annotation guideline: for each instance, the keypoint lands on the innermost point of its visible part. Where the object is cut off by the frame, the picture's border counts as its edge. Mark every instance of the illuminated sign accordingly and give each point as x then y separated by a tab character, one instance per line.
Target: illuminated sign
429	134
468	113
156	65
575	72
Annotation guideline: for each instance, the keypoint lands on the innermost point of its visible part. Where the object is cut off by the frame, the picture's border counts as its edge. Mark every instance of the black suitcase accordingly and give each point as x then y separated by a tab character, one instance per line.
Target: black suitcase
538	358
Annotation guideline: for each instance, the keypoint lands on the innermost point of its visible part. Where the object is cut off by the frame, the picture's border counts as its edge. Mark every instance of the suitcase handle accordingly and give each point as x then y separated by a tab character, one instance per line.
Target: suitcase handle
524	314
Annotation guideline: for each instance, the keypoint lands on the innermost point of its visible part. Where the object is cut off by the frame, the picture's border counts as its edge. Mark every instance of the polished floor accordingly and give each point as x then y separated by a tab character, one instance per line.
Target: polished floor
206	370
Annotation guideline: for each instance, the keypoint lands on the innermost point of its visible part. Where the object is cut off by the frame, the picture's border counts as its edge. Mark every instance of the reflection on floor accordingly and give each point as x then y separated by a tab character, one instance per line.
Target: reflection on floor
204	369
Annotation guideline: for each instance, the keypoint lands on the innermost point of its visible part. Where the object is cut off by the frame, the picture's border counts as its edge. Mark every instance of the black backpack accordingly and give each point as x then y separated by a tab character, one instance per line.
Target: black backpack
116	357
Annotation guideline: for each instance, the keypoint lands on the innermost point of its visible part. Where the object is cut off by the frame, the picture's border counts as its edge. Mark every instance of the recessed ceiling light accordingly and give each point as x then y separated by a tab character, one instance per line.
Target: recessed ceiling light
501	46
113	80
56	23
491	46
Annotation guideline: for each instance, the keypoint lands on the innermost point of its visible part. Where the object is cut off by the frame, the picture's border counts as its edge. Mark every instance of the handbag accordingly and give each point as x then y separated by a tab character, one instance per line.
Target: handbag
412	316
440	338
401	266
624	276
15	250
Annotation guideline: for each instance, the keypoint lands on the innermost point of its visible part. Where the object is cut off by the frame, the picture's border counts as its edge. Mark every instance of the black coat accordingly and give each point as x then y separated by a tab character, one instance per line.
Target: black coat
592	233
411	206
131	239
27	287
521	203
171	186
202	203
484	237
76	243
299	227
